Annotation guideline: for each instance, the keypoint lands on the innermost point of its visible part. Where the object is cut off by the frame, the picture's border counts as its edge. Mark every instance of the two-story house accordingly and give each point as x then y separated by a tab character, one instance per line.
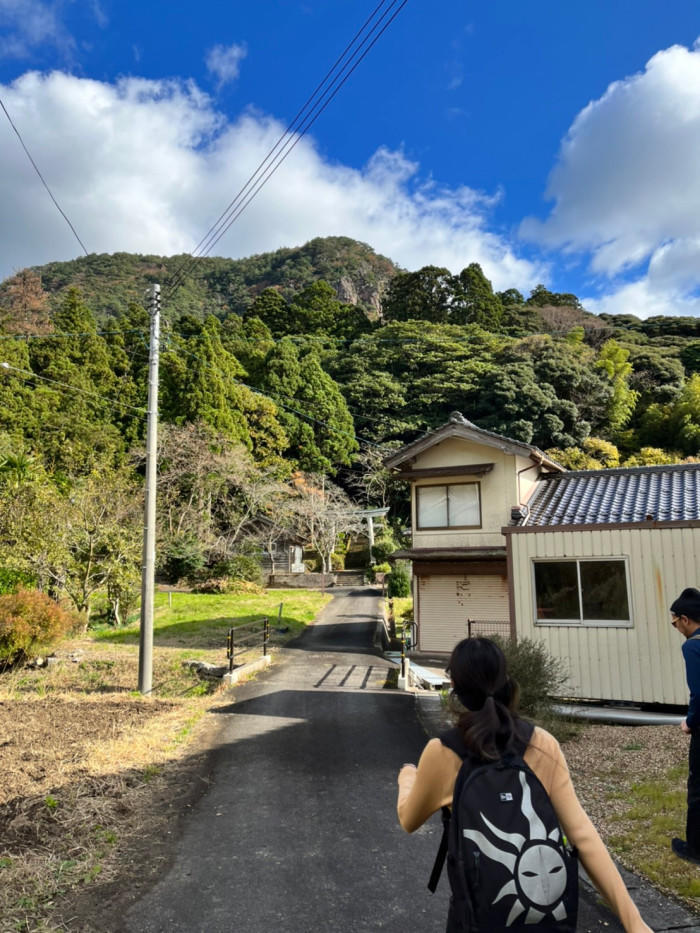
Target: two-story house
585	561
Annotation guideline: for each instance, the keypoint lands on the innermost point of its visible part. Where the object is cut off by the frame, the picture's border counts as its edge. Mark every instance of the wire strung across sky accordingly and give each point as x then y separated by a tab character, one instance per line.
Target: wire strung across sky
353	54
43	181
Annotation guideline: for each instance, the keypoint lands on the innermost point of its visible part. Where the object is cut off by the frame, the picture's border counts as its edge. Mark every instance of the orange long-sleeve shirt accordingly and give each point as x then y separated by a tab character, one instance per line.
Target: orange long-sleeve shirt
430	786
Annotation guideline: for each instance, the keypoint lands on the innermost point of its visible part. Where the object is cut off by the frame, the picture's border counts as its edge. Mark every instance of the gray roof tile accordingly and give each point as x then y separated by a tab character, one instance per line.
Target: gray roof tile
604	497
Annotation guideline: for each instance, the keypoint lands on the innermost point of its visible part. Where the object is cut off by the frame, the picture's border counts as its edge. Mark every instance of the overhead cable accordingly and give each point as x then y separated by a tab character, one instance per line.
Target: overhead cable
335	78
43	181
28	374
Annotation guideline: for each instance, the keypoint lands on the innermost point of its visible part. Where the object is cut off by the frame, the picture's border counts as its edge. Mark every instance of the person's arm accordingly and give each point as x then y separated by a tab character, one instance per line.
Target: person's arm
426	788
691	656
593	853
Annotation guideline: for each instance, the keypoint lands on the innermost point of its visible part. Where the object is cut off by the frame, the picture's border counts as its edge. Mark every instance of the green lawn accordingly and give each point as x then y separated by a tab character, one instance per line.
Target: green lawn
201	620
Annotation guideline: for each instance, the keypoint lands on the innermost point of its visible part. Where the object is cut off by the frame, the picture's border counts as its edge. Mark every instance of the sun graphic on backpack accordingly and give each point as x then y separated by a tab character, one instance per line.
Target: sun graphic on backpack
538	870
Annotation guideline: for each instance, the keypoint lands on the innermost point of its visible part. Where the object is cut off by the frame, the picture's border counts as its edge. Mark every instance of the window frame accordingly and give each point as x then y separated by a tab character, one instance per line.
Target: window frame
447	486
581	622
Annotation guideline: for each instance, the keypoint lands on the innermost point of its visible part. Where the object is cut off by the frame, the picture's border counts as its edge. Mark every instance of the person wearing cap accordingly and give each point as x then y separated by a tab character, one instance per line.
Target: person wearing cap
685	618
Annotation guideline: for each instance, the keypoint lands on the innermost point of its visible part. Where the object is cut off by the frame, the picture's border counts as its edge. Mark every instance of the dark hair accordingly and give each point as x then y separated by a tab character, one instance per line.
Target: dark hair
490	723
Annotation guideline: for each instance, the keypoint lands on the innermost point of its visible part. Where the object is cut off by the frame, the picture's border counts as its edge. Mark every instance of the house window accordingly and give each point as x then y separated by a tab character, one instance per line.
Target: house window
582	592
453	506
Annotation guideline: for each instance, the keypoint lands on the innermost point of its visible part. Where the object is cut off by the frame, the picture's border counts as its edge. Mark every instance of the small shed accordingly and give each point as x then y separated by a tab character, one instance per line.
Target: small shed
596	561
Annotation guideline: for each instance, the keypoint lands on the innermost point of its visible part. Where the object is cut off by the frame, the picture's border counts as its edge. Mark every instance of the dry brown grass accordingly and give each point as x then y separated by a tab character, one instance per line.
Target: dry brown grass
90	770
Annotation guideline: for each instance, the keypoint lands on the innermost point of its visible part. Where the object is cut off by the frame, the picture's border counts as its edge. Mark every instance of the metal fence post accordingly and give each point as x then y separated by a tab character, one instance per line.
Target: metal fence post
229	649
266	634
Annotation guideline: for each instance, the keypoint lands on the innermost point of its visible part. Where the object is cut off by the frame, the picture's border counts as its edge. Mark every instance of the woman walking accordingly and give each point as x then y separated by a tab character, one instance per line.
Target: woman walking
488	729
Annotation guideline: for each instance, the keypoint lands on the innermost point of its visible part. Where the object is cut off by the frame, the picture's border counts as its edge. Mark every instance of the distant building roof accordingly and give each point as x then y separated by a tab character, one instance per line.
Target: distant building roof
459	426
605	497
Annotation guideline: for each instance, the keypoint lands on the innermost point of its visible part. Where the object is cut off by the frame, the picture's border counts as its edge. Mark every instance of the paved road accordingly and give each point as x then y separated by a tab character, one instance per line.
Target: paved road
299	830
298	833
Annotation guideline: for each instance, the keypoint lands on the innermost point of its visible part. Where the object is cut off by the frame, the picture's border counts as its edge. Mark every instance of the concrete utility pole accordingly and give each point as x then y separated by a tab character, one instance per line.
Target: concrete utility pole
149	527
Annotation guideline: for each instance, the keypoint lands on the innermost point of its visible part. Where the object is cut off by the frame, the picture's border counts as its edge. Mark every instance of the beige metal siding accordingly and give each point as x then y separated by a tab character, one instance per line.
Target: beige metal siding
640	664
446	602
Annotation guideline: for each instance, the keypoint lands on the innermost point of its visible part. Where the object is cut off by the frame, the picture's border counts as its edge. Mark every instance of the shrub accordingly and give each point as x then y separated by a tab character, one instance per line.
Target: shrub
398	581
384	545
337	561
11	580
30	622
378	568
539	675
228	585
243	567
182	558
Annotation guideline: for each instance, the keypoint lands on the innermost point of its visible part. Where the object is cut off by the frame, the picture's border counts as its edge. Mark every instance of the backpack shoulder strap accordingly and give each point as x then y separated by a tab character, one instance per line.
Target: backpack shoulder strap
453	740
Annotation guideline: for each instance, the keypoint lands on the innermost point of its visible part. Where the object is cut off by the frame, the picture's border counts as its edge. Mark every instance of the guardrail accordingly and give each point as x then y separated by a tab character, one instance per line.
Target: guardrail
243	637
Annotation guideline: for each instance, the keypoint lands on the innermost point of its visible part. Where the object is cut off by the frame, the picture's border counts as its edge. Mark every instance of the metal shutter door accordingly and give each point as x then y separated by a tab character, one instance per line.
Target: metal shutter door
446	602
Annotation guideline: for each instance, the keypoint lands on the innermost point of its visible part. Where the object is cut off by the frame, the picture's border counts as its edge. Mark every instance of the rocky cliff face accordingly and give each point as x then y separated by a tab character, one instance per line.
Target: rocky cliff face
368	294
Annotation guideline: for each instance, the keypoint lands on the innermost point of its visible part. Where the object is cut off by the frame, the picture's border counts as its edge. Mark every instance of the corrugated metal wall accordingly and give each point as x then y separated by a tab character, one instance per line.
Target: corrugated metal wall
642	663
447	601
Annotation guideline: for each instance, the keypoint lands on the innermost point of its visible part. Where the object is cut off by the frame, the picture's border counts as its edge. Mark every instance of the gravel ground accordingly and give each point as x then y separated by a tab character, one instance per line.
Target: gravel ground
605	761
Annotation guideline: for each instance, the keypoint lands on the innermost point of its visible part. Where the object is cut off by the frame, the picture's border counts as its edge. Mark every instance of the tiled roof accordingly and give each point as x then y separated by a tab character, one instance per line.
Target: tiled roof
604	497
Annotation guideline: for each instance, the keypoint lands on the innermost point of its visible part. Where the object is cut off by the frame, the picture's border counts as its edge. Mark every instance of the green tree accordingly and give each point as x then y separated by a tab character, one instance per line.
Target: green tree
613	360
424	295
77	395
475	302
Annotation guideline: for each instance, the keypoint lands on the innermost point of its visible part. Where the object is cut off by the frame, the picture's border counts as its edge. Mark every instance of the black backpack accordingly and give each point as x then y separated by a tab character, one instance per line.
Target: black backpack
508	861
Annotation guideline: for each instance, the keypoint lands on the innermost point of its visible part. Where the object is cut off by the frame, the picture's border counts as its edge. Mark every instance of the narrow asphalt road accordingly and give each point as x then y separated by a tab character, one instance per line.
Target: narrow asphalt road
298	831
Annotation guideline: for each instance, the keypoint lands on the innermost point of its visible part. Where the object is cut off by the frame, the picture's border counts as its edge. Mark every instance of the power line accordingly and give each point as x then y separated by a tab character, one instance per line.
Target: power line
66	335
280	403
296	130
28	374
36	169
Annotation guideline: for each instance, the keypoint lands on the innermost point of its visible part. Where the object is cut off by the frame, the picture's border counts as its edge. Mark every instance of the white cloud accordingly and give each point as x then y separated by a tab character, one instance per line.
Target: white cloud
27	24
642	300
224	62
147	166
626	186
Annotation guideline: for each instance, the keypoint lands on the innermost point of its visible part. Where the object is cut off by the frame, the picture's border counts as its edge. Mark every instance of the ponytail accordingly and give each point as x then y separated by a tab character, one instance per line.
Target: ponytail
487	699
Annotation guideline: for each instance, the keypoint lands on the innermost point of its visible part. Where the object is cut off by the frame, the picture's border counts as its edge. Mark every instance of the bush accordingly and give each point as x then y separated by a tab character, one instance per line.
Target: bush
399	581
228	585
30	622
182	559
384	545
539	675
245	567
337	561
378	568
11	580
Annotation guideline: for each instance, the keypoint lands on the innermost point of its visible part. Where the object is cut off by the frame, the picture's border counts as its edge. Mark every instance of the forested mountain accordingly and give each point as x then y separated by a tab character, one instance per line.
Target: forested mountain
310	363
109	283
271	351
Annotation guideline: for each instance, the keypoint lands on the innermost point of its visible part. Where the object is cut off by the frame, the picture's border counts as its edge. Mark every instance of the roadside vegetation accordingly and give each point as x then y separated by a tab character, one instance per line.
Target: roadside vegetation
93	772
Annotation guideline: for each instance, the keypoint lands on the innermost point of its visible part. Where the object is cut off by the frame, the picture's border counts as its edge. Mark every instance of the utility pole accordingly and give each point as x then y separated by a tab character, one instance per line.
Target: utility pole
149	528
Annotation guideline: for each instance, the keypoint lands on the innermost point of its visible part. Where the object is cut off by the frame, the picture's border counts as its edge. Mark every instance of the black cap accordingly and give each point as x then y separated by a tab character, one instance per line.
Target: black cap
687	604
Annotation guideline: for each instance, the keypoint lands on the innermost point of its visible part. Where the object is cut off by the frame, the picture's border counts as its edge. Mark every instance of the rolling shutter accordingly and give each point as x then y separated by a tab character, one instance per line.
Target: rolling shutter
447	602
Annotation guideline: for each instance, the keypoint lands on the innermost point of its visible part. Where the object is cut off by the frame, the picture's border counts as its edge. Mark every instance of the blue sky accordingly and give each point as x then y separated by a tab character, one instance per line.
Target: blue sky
550	142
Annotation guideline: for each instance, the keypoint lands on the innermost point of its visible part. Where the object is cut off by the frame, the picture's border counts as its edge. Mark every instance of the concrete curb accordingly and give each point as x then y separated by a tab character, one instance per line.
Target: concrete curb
662	913
245	670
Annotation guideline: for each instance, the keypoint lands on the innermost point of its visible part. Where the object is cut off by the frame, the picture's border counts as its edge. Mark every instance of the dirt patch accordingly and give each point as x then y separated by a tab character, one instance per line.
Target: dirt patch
94	778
